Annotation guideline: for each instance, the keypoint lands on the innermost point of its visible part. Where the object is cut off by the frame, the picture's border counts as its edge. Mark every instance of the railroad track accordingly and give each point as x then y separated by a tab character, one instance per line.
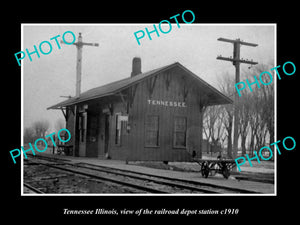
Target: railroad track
144	183
32	189
264	178
193	185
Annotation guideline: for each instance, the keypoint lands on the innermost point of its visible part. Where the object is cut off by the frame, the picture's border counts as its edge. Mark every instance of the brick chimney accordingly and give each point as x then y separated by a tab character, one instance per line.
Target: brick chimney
136	66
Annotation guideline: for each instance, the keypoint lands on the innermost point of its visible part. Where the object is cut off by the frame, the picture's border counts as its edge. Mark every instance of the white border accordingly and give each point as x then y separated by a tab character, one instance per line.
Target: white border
130	24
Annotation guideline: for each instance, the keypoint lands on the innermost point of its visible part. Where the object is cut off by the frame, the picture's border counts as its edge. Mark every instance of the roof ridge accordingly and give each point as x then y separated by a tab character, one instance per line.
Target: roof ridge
119	85
127	78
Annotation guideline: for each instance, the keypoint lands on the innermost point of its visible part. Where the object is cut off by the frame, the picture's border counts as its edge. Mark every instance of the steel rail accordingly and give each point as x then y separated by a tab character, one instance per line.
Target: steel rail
173	182
33	188
156	179
126	172
143	188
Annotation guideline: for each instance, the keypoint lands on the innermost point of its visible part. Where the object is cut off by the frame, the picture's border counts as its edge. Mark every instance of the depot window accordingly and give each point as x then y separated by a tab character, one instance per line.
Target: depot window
152	131
121	125
179	133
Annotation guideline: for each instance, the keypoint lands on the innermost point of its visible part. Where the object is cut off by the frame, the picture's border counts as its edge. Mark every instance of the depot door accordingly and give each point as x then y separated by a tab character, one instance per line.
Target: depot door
106	133
82	133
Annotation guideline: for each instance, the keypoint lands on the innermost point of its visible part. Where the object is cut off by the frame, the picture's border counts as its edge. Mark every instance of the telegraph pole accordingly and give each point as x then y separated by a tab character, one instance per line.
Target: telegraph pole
79	44
236	61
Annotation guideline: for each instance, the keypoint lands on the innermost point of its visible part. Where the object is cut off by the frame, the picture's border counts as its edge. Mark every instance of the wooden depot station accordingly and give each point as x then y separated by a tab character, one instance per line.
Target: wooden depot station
151	116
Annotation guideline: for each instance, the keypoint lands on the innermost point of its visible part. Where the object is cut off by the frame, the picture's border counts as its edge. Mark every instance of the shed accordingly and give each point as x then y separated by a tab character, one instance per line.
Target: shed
155	116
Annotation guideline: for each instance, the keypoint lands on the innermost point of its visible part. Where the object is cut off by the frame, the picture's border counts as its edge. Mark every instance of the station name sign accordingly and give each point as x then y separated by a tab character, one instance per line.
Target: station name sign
167	103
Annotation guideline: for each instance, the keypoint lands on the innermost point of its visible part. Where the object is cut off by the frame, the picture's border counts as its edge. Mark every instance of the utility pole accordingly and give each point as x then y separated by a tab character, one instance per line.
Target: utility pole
236	61
79	44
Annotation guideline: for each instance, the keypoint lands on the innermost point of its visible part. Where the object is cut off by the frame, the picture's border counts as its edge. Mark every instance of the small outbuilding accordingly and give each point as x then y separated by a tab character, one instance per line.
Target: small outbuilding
156	115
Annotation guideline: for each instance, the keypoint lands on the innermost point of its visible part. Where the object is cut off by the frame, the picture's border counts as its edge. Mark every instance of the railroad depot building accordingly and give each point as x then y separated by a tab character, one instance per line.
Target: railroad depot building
156	115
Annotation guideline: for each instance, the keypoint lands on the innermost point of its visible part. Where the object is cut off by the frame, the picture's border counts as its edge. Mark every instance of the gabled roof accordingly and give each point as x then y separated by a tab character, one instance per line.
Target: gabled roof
117	86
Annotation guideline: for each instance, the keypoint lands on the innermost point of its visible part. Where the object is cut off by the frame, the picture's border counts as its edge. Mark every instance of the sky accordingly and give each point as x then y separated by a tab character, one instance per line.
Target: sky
195	46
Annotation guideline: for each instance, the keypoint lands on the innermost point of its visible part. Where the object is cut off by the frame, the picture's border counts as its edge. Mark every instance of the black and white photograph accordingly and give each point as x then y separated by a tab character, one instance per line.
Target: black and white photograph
168	113
108	110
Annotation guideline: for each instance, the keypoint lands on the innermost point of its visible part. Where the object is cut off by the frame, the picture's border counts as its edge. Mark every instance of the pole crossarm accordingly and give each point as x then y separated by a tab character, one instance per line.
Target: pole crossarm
237	41
79	45
237	60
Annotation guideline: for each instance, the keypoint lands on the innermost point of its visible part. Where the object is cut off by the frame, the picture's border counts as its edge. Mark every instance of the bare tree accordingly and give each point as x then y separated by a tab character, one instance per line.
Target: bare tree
253	121
207	127
40	128
29	135
261	100
256	109
226	85
244	118
267	99
213	127
218	127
